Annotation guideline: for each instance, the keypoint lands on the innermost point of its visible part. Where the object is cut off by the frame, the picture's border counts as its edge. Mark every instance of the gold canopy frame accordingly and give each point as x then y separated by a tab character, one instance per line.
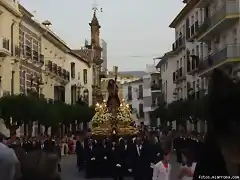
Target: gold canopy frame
105	123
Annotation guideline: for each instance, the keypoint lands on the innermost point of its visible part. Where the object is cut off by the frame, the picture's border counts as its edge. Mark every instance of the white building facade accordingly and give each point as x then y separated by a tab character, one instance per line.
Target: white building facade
206	37
80	79
187	52
152	94
133	93
104	67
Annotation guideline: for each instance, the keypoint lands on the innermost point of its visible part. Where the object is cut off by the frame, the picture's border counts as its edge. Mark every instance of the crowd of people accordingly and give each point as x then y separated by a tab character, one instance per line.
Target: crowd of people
30	158
143	157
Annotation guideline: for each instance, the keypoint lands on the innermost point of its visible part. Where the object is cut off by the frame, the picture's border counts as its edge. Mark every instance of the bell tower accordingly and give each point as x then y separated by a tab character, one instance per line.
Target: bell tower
97	61
95	30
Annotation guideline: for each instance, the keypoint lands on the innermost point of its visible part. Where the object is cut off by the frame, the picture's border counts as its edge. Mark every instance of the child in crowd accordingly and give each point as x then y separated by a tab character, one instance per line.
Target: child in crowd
161	171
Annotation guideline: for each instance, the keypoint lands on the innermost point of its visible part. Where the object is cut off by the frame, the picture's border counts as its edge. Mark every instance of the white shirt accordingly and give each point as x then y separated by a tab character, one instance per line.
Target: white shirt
139	148
192	169
160	172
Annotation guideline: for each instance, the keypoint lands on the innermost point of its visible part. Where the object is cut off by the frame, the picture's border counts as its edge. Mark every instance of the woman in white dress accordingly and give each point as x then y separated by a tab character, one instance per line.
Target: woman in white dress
188	167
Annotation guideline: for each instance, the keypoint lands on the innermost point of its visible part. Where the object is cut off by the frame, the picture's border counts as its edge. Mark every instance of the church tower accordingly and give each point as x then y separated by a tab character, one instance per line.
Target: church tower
97	61
95	31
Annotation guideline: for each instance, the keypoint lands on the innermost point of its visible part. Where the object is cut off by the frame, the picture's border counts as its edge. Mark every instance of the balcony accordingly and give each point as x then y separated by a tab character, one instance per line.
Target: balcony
50	66
193	66
28	52
179	75
59	70
4	47
178	45
192	32
156	87
54	68
226	56
223	18
35	55
41	59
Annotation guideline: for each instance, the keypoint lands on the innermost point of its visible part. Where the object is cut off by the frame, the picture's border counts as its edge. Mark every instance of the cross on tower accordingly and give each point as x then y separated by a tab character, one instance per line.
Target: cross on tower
95	6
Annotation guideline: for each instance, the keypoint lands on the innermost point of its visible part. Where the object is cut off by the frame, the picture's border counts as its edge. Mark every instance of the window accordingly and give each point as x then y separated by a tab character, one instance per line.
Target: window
196	16
79	75
166	88
140	91
12	82
193	52
141	113
197	50
85	76
198	83
72	70
166	65
129	93
181	62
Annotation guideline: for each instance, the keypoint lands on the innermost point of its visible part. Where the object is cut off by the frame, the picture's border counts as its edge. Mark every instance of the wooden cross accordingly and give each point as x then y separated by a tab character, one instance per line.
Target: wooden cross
115	72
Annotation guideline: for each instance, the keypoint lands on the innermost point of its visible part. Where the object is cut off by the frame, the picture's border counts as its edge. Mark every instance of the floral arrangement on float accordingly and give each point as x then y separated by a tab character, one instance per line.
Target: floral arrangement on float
105	122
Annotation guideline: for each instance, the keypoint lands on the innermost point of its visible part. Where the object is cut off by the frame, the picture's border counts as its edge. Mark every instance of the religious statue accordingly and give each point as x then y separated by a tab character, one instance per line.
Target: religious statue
113	101
113	118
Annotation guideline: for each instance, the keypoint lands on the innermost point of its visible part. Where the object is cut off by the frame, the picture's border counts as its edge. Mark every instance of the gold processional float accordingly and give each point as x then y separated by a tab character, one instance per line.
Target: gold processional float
113	117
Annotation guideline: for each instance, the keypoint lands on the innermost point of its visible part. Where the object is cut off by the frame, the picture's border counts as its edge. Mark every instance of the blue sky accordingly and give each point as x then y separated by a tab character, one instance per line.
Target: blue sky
135	30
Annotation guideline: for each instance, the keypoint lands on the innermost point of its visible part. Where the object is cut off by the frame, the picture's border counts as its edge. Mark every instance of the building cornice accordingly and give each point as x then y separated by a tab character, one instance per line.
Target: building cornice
163	59
187	8
49	35
79	58
46	32
25	12
11	9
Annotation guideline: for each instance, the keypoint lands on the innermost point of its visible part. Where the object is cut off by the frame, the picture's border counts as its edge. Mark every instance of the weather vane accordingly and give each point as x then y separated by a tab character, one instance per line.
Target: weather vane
95	7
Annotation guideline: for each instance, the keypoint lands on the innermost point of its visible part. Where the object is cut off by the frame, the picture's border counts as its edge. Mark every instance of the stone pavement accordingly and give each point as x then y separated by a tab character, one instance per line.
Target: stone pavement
70	172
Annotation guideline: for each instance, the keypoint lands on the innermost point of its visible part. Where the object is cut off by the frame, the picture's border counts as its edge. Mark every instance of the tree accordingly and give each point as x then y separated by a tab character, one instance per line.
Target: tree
13	111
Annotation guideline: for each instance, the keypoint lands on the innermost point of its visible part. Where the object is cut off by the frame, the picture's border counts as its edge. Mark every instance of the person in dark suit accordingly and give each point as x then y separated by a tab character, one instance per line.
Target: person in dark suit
80	153
58	152
116	162
104	157
90	159
138	160
125	148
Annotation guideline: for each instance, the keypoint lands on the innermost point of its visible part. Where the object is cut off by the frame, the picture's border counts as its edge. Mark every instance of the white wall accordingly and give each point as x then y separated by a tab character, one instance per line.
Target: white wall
78	80
135	101
168	86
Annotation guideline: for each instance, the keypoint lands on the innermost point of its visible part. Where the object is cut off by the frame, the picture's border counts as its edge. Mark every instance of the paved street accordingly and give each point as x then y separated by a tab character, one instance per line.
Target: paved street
69	170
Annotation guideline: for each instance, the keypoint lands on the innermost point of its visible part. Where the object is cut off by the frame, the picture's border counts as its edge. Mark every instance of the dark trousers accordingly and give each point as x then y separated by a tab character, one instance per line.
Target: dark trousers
59	168
179	156
80	163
